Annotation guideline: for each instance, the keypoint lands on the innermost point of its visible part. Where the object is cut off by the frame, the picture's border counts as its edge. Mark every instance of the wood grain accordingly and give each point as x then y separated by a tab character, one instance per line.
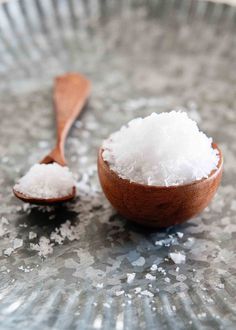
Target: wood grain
157	206
71	91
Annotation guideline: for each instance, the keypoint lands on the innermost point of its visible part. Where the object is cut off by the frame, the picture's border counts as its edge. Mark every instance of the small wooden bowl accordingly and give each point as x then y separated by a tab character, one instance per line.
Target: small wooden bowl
158	206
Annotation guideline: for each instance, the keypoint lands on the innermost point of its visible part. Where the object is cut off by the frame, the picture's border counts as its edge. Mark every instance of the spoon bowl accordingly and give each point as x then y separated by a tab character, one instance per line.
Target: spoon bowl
44	201
158	206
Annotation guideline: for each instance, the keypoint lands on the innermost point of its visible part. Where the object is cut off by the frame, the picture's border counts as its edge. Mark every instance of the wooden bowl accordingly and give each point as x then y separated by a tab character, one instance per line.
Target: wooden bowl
158	206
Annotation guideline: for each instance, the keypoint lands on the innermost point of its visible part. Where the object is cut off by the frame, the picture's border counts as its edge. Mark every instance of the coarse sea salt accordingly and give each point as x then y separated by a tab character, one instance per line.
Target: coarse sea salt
46	181
177	257
162	149
130	277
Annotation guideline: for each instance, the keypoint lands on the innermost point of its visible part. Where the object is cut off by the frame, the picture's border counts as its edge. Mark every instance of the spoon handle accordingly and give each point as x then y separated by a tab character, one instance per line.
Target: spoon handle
69	96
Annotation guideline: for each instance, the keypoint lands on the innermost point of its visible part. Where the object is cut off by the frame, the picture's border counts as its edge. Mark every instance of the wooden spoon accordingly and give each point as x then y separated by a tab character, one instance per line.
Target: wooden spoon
158	206
70	93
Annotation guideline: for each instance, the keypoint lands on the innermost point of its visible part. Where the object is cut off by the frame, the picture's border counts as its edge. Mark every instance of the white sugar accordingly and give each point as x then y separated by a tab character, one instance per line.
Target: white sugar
46	181
161	149
177	257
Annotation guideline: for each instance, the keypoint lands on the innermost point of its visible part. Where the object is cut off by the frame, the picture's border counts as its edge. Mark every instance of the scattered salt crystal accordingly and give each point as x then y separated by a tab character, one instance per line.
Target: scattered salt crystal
139	262
174	308
46	181
137	290
169	150
147	293
150	277
17	243
107	305
55	236
161	270
65	231
177	269
99	285
8	251
26	270
153	267
179	234
220	285
3	223
130	277
167	279
177	257
119	293
69	231
44	247
23	225
32	235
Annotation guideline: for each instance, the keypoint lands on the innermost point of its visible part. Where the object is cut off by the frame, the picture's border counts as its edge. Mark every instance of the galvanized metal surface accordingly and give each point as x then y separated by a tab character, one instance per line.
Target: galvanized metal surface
141	56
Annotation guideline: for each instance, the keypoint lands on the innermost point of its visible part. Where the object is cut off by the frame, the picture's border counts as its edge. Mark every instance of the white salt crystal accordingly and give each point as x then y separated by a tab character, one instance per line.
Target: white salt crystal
119	293
3	229
147	293
139	262
153	267
179	234
99	285
161	270
44	247
32	235
17	243
220	285
162	149
137	290
150	277
130	277
167	279
66	231
106	305
46	181
177	257
23	225
8	251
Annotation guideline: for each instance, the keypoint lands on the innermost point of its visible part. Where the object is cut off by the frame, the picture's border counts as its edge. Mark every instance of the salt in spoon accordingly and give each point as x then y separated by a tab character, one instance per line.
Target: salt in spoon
70	94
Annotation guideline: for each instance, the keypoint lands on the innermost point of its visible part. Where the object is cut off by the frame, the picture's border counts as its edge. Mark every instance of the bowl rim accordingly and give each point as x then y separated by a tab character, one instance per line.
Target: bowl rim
211	176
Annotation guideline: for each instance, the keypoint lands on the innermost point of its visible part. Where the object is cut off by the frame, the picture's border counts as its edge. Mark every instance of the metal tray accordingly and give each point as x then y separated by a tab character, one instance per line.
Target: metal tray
142	56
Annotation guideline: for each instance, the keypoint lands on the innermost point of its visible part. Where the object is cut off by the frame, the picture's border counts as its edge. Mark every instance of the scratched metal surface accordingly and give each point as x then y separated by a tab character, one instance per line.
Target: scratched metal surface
141	56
